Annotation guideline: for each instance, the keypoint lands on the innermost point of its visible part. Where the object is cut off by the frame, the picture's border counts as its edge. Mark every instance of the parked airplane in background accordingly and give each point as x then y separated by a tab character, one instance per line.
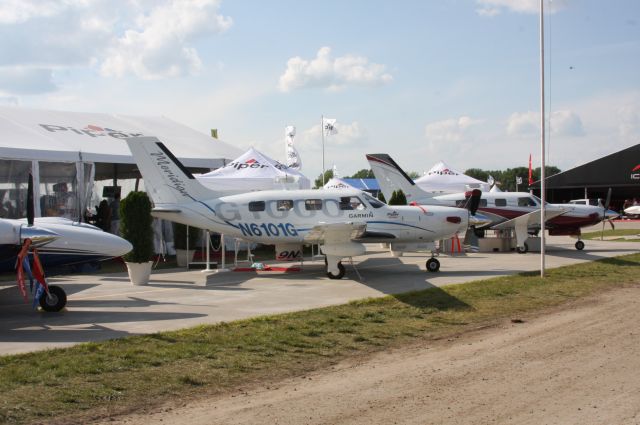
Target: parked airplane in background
519	211
59	241
339	220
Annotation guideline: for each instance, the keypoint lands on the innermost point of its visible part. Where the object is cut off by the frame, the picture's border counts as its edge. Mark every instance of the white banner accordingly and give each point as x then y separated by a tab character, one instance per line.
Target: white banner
293	157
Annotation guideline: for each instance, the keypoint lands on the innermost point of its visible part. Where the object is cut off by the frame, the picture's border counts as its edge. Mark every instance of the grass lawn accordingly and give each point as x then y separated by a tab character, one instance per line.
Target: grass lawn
609	233
73	385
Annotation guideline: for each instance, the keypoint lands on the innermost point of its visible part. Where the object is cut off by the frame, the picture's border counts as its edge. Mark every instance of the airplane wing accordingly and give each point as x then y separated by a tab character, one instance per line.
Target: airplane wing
523	222
335	233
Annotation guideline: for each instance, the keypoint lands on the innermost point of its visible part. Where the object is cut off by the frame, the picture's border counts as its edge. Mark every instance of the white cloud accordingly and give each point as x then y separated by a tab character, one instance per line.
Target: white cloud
159	48
332	73
450	130
21	80
491	8
523	123
629	122
148	39
566	123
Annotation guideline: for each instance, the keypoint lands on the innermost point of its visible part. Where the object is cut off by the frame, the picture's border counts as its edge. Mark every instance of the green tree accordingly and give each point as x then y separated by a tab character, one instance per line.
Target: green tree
398	198
362	174
381	197
328	175
414	175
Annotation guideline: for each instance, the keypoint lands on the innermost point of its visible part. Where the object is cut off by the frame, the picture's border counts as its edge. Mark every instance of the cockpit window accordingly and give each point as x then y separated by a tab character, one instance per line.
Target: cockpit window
526	202
375	203
256	206
500	202
351	203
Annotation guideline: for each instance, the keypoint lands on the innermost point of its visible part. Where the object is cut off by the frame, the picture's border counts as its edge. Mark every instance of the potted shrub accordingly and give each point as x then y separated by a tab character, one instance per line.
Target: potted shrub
184	253
135	226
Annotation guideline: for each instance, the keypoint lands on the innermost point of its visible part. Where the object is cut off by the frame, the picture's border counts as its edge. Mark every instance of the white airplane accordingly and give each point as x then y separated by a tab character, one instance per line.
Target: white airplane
519	211
339	220
59	241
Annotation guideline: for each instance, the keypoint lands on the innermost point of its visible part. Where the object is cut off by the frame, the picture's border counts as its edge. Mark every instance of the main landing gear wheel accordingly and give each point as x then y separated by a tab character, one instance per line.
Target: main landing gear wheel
55	301
579	245
433	265
522	249
340	274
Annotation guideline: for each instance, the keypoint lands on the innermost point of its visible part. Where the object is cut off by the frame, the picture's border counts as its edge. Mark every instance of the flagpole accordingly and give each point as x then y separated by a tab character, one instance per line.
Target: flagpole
322	131
542	130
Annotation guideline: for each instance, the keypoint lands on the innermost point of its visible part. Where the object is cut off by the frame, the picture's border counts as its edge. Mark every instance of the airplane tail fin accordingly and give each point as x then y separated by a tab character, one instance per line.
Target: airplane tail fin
391	177
167	181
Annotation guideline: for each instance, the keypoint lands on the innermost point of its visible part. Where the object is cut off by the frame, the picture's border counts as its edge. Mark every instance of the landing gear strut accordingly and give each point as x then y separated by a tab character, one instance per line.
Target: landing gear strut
433	265
579	245
55	300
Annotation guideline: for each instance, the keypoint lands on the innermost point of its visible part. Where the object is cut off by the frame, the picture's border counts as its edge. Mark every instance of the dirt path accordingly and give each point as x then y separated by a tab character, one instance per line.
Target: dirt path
576	366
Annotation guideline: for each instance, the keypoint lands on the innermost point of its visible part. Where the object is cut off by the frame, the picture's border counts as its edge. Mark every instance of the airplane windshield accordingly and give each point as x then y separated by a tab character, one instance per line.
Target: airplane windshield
538	200
375	203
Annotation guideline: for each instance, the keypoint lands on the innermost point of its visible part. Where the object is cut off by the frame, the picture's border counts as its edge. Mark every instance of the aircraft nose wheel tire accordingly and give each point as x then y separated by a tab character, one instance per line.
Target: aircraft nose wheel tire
523	249
433	265
55	301
340	274
579	245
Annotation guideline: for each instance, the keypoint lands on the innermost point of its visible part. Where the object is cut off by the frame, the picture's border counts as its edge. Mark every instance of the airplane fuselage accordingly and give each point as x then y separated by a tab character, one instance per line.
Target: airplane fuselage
272	217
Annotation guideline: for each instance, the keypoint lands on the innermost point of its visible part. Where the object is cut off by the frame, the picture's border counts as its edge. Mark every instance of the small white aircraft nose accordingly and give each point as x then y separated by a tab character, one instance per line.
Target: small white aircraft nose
114	246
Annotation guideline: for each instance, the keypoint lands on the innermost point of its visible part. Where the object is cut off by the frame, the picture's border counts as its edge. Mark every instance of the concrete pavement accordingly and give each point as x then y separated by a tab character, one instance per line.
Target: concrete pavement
107	306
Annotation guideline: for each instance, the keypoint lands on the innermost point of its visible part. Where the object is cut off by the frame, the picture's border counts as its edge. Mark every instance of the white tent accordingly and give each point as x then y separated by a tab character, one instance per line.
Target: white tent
442	178
32	134
337	183
253	171
66	151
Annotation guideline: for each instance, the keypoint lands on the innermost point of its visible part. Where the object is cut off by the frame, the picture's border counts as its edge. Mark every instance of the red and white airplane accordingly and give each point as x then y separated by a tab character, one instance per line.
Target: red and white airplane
519	211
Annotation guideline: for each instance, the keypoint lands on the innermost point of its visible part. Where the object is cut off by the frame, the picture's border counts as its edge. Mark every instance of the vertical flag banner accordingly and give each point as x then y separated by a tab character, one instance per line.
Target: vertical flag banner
335	172
293	157
329	126
530	172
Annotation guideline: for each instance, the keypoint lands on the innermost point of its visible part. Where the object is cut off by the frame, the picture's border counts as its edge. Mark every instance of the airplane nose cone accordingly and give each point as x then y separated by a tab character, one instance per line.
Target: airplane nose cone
38	236
115	246
610	215
479	220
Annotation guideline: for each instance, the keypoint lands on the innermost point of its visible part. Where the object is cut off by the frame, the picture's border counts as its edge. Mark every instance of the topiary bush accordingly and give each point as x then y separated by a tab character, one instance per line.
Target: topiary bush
135	226
398	198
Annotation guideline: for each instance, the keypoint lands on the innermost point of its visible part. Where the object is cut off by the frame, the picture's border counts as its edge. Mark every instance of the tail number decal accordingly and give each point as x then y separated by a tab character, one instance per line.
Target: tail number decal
268	229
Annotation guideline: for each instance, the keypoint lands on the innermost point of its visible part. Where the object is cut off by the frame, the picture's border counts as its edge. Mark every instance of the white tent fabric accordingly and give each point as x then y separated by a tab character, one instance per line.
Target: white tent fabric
442	178
337	183
495	188
33	134
254	171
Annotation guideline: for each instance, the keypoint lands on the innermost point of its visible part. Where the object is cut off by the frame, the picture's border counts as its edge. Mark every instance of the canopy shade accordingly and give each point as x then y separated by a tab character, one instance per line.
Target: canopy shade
443	178
32	134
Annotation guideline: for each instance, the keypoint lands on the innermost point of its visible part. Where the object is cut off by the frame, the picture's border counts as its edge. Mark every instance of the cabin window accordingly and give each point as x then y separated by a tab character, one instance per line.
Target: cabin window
256	206
460	203
313	204
351	203
526	202
483	203
284	205
501	202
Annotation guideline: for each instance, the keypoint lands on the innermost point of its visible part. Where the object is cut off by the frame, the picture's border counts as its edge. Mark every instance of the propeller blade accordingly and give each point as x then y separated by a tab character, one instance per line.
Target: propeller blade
474	201
608	200
612	226
30	206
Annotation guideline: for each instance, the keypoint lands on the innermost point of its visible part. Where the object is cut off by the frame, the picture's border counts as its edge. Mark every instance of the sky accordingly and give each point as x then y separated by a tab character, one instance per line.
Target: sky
424	81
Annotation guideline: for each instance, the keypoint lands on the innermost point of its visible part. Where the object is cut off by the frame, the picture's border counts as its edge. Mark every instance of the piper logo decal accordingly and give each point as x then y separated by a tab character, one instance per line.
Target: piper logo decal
91	131
634	174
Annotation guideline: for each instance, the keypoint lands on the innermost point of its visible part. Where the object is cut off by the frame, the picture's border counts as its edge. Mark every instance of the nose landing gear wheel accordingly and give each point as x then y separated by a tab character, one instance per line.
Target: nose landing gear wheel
55	301
433	265
340	274
523	249
579	245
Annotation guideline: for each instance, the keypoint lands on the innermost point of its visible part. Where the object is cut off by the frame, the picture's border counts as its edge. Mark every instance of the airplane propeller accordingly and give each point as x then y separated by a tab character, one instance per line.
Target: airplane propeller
30	204
473	201
604	214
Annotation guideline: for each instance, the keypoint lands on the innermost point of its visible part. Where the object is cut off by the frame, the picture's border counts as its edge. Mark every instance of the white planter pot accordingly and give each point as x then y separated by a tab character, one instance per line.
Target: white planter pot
139	272
184	256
